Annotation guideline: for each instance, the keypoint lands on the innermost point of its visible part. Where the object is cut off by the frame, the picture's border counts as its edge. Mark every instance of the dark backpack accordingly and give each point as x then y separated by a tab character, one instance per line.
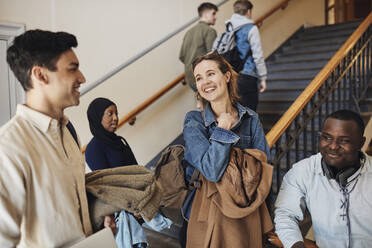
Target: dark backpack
225	45
72	130
170	176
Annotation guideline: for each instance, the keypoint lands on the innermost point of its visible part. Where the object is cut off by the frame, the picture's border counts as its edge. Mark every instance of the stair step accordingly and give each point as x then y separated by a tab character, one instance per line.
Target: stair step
298	74
288	67
319	42
308	35
333	27
287	84
289	87
273	66
290	79
289	93
331	37
311	50
303	58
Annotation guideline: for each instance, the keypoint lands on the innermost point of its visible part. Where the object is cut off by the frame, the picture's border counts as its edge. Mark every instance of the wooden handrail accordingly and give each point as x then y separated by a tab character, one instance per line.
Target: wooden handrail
149	101
283	123
283	4
132	115
180	78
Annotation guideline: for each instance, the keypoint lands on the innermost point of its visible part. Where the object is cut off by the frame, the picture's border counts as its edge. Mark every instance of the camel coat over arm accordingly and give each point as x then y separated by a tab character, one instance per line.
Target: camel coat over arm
232	212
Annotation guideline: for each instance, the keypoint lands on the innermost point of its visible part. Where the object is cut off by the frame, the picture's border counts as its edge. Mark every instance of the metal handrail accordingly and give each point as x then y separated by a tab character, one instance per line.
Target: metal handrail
136	57
130	117
282	124
341	84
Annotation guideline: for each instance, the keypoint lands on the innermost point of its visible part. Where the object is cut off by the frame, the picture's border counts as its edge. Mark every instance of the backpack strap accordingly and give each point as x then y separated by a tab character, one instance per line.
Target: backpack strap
249	52
72	130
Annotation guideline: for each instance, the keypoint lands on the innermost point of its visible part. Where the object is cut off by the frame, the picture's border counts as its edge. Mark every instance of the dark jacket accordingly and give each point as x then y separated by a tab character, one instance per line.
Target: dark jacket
99	155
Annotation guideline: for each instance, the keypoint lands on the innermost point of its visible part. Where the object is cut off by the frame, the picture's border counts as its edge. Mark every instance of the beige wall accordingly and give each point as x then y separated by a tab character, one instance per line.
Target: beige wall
110	32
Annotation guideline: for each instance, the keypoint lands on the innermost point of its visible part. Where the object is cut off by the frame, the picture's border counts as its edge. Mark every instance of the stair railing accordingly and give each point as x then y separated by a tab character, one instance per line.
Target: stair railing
341	84
131	116
133	59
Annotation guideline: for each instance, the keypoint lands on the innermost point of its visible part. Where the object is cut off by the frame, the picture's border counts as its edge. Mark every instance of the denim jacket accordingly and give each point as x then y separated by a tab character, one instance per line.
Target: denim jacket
208	146
248	38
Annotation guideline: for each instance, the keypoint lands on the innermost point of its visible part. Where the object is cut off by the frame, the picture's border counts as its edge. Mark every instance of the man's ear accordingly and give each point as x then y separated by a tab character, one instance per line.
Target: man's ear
39	75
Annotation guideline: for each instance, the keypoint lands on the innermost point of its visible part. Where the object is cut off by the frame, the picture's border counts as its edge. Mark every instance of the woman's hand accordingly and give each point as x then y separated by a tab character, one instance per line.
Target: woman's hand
110	222
226	121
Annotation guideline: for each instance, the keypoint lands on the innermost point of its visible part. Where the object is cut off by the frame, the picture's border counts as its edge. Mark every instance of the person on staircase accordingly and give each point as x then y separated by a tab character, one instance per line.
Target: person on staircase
43	199
210	136
335	186
198	40
248	41
108	150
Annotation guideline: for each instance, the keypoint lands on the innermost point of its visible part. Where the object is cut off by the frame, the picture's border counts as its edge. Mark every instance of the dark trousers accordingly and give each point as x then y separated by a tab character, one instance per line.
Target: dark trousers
182	236
248	91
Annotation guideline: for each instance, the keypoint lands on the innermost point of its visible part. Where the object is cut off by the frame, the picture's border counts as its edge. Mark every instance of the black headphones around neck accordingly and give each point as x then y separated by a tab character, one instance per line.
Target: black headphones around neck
342	176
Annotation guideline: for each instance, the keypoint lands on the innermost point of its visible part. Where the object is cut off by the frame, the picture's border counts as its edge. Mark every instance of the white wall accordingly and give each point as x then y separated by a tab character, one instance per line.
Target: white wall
112	31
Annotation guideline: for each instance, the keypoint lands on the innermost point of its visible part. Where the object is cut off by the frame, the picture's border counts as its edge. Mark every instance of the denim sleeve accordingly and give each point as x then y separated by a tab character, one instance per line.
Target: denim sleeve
289	208
258	137
208	154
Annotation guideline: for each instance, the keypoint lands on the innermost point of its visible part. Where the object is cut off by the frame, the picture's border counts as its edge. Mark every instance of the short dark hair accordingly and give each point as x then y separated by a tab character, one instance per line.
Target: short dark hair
348	115
206	6
224	67
37	48
241	7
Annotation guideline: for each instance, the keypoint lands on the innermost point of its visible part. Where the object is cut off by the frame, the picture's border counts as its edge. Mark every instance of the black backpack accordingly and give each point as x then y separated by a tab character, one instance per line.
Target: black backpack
225	45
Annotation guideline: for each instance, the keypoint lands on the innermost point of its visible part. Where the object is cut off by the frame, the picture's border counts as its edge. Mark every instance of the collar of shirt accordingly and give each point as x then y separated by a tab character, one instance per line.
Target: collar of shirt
238	20
40	120
364	168
203	22
209	116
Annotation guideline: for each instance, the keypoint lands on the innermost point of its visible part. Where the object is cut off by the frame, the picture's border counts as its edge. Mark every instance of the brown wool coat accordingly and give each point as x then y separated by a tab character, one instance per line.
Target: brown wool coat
232	212
131	188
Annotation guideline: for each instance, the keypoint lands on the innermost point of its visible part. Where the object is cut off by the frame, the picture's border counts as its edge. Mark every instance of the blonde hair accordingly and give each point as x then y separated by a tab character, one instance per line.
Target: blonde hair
224	66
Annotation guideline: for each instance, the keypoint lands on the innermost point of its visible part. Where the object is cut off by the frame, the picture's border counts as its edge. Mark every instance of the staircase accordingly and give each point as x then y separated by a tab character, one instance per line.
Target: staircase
291	68
295	64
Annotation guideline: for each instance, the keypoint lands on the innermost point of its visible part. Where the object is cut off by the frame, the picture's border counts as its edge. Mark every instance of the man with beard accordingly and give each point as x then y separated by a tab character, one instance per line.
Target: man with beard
335	186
